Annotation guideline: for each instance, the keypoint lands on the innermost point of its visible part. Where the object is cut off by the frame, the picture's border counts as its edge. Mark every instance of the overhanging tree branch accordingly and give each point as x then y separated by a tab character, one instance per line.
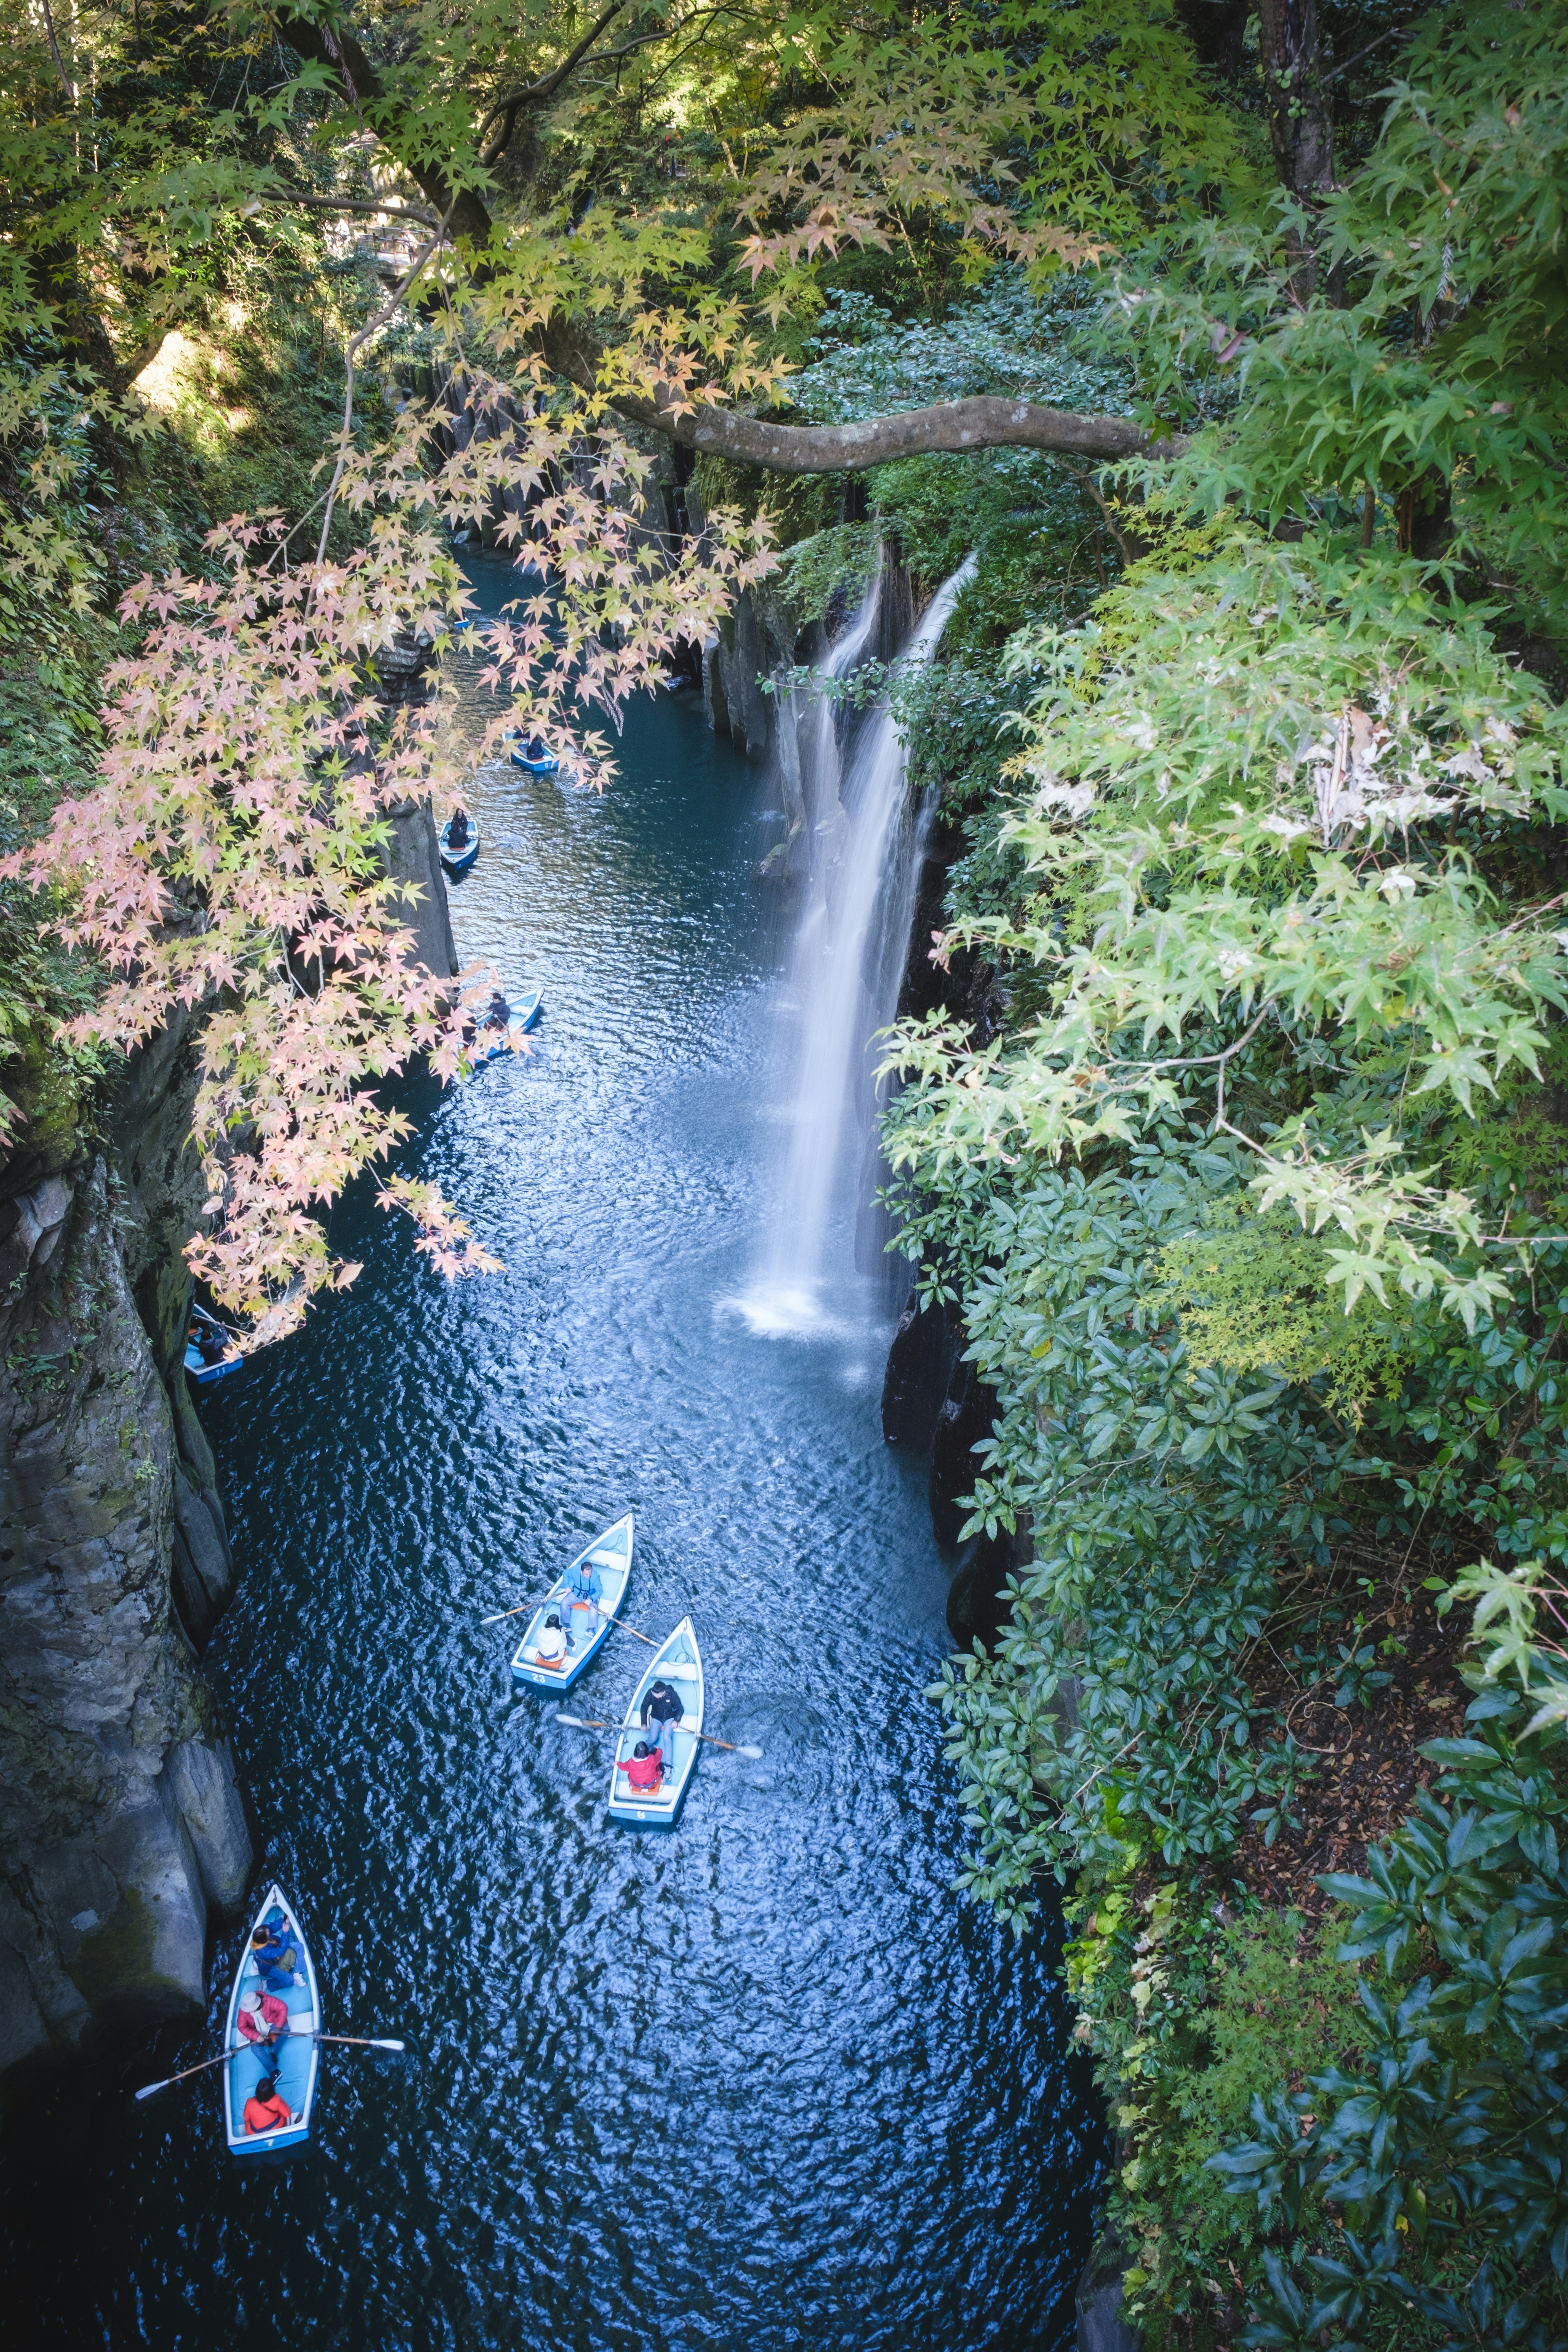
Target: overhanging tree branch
988	422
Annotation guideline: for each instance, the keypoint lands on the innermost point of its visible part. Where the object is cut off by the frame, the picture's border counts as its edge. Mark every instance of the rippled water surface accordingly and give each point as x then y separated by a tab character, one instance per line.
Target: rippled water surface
763	2081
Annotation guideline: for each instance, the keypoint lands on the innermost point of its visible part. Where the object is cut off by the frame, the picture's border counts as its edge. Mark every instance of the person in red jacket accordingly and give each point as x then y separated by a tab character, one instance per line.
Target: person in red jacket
262	2018
644	1767
264	2110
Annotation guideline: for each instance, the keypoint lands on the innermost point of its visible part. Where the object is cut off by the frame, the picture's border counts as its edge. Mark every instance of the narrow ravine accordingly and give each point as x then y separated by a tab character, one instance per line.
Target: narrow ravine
765	2082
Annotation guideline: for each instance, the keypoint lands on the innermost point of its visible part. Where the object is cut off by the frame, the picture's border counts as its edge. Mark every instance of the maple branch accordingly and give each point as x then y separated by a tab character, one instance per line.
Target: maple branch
545	87
353	205
66	84
352	352
985	422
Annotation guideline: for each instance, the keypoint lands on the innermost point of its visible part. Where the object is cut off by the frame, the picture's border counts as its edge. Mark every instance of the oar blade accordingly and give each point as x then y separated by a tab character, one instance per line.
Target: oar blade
148	2089
389	2045
754	1753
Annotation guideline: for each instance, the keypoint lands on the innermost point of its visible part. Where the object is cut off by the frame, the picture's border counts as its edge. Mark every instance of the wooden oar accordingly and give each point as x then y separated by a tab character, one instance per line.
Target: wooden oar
148	2089
579	1723
519	1610
359	2040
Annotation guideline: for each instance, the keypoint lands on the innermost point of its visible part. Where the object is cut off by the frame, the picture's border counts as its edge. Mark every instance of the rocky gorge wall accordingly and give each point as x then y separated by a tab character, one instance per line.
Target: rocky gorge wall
122	1828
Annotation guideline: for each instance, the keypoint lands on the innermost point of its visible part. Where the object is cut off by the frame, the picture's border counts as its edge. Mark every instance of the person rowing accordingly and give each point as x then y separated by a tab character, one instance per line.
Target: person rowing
458	831
262	2018
661	1711
211	1343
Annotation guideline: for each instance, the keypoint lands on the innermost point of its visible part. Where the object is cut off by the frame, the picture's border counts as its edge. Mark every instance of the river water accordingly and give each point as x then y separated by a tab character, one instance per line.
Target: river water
760	2082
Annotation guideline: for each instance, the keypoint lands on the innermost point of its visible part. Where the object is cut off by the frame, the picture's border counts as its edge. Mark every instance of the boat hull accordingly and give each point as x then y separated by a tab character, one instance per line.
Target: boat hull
612	1555
297	2060
548	766
457	861
679	1662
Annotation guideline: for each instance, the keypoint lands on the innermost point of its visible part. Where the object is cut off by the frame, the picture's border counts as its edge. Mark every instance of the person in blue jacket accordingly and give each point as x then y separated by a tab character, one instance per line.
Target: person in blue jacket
275	1954
584	1590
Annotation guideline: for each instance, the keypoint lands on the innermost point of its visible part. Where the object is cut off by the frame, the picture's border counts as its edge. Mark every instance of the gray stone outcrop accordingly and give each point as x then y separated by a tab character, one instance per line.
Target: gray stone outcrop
121	1827
413	854
755	641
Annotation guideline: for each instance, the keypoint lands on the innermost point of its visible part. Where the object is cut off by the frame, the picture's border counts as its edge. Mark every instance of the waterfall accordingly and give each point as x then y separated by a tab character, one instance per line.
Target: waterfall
846	967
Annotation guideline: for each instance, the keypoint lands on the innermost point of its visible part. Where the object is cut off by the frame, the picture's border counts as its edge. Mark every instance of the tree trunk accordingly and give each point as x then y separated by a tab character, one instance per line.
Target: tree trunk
1299	129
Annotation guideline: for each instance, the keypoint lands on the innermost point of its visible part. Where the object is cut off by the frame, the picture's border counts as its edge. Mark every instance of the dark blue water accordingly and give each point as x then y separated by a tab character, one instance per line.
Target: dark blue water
762	2082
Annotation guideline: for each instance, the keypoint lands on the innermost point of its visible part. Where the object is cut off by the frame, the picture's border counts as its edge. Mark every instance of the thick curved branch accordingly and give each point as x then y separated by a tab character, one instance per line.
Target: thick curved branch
985	422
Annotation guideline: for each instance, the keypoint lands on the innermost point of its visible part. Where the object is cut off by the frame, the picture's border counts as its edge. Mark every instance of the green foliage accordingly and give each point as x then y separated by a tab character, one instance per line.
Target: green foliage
1188	2010
1254	1294
837	561
1444	2147
1263	809
1443	374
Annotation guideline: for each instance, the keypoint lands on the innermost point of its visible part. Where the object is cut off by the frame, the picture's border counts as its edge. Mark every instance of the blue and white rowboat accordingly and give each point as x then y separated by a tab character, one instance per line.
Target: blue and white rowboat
294	2060
525	1011
679	1663
544	764
611	1554
196	1364
457	861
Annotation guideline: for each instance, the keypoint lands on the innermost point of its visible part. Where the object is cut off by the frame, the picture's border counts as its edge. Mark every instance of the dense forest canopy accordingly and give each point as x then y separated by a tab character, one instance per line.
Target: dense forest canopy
1232	340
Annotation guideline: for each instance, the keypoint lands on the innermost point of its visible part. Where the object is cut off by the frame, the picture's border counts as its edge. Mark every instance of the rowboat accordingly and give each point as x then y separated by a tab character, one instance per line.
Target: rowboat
680	1662
524	1011
545	764
196	1364
611	1554
457	861
294	2061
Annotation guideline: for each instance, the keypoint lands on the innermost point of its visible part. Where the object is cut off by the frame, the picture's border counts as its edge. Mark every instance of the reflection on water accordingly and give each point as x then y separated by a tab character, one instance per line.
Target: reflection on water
760	2083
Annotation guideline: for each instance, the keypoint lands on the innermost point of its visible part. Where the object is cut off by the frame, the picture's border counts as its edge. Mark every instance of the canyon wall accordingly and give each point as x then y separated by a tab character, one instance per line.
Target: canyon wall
123	1829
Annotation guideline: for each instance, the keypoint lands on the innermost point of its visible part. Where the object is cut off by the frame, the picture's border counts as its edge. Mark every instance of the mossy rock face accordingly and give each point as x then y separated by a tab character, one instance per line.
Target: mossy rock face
118	1958
54	1093
111	1880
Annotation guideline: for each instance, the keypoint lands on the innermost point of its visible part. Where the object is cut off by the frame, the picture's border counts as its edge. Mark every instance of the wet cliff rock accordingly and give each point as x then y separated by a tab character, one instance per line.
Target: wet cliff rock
758	638
414	856
920	1365
121	1827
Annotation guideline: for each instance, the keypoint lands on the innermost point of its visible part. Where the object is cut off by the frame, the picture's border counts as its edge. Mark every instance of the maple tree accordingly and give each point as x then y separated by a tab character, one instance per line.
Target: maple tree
228	859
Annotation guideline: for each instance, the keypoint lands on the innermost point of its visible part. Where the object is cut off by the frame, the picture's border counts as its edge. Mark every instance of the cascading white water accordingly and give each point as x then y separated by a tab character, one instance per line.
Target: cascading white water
846	968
